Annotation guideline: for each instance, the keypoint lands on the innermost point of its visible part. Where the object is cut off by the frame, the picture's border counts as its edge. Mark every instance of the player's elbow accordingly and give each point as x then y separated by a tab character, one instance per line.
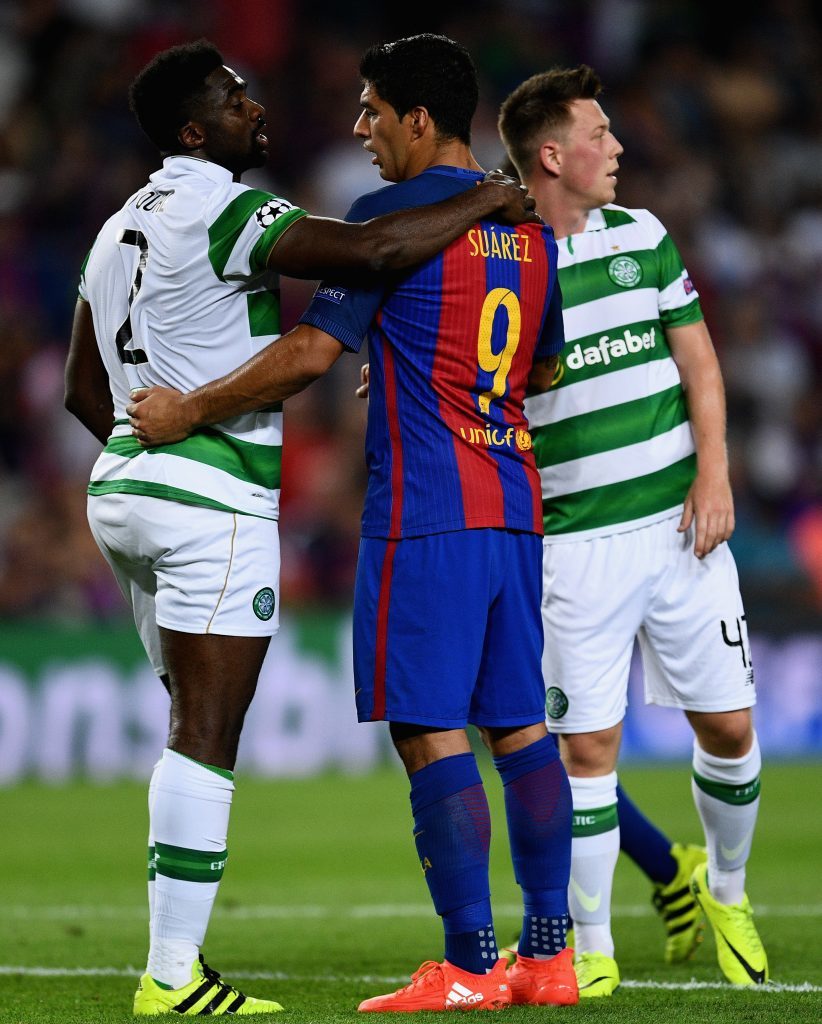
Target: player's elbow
316	353
73	399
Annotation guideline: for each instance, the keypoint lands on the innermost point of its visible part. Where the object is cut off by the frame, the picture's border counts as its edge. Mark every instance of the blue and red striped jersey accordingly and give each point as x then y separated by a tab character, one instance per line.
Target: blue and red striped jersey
450	346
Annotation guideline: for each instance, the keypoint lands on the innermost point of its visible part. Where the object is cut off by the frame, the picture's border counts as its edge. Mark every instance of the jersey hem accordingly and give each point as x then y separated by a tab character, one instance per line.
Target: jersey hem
500	722
149	489
610	531
427	530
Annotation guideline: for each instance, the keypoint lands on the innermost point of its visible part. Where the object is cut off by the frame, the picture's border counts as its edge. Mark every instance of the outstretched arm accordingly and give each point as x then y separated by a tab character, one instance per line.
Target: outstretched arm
281	369
316	247
709	500
87	393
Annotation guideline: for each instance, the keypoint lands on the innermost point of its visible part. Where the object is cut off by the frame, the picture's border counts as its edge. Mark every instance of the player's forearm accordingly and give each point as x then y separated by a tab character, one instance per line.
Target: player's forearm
317	247
95	413
705	396
280	370
87	395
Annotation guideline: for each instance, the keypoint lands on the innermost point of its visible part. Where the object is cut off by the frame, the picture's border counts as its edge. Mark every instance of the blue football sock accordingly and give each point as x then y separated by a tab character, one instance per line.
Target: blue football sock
647	847
539	809
452	830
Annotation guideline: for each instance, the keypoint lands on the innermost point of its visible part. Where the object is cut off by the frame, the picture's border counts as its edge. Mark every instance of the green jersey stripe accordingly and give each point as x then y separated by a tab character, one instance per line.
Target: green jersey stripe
690	314
151	489
669	263
254	463
263	313
227	228
590	279
608	429
616	218
620	502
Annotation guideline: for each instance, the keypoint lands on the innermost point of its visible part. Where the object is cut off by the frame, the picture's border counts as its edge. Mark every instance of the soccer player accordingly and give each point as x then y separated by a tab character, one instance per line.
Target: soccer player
181	286
637	508
447	626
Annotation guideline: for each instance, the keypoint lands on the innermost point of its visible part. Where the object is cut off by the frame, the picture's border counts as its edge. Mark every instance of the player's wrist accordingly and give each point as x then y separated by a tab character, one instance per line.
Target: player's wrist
192	412
492	196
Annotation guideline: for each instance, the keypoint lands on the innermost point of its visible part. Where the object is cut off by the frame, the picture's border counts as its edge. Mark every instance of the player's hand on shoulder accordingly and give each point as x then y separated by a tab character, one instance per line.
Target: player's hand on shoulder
516	205
157	416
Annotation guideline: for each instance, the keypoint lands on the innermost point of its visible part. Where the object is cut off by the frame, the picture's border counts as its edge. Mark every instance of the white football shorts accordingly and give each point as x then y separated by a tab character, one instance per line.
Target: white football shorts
189	568
601	594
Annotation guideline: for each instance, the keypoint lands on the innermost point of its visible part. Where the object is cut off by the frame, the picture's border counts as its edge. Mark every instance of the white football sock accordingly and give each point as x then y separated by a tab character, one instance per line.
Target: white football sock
189	824
152	792
594	852
726	795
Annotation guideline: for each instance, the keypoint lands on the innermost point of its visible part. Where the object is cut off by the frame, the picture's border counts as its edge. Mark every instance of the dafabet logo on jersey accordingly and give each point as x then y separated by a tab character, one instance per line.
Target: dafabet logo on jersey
609	349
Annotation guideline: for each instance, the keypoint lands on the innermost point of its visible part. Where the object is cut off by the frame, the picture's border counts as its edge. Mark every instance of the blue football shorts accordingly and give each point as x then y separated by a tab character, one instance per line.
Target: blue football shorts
448	629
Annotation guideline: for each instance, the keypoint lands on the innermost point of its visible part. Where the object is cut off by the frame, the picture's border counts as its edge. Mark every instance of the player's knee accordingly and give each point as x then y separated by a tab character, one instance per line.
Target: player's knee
590	754
724	734
210	738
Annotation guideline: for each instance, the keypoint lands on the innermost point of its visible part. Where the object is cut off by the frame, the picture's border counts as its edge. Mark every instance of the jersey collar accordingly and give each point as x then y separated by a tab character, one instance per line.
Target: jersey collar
180	164
595	222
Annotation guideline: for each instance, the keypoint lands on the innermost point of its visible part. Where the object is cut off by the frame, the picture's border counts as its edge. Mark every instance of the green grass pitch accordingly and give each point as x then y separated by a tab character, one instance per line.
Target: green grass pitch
323	902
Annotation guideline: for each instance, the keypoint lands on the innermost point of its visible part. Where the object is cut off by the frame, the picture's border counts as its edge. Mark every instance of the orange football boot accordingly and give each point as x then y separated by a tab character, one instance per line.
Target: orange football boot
445	987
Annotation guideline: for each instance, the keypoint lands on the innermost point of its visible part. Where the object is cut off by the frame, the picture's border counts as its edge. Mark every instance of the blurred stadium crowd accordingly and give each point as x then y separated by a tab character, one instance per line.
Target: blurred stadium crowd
720	113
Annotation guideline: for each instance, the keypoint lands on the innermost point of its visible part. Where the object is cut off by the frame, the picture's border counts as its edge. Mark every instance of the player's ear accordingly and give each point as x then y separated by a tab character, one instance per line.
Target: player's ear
192	135
419	119
550	157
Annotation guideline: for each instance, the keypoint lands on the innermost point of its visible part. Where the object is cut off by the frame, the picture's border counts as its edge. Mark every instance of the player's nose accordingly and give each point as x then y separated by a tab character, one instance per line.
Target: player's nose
361	127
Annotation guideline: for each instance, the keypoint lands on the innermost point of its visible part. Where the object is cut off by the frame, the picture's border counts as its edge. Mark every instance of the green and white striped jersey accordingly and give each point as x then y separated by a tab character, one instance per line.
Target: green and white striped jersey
180	294
612	438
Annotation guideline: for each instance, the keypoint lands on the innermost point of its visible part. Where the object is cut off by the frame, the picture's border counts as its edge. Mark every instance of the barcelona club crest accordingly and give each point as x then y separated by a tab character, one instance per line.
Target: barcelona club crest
523	440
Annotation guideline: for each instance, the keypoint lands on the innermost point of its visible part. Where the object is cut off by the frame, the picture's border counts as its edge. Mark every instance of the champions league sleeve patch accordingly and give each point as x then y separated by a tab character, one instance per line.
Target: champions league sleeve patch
335	295
271	210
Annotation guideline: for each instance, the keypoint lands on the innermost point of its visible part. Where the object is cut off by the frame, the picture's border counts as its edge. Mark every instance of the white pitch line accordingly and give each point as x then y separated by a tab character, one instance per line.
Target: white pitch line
693	984
358	912
773	987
